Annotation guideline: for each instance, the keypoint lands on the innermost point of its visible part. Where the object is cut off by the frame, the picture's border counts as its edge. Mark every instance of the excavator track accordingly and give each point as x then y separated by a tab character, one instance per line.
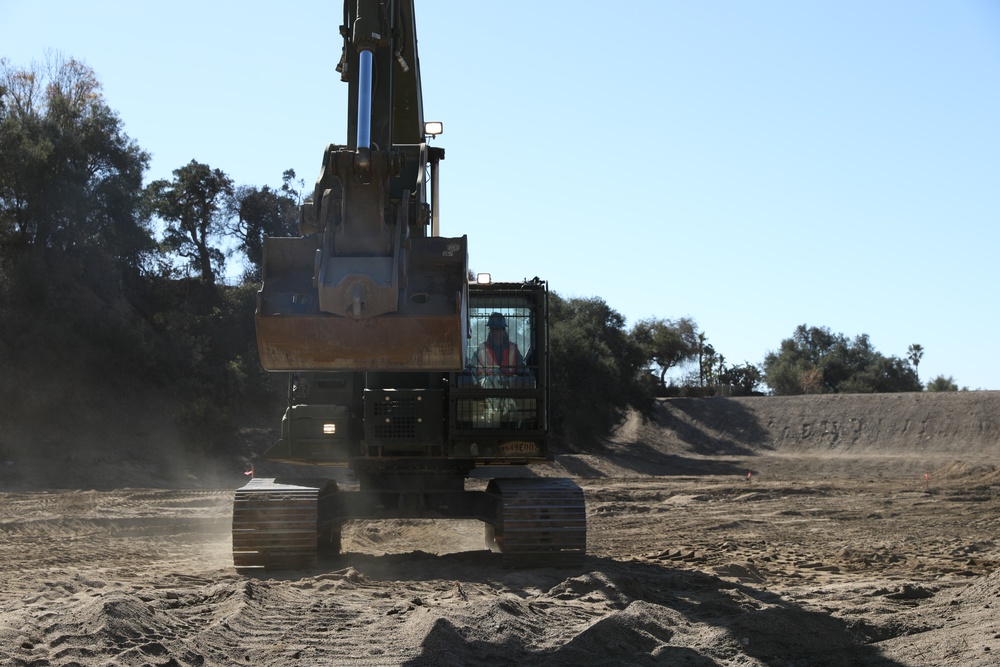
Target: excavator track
543	522
275	525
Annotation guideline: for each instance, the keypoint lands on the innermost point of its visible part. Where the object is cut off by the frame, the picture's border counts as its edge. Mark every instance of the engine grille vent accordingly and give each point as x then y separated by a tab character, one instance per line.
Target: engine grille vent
395	419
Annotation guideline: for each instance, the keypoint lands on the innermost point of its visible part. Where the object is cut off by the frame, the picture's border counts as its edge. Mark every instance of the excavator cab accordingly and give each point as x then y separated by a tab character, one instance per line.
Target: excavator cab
499	401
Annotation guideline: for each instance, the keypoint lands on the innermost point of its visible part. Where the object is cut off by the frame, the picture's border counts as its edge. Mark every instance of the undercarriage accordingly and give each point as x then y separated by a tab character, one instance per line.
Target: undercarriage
536	522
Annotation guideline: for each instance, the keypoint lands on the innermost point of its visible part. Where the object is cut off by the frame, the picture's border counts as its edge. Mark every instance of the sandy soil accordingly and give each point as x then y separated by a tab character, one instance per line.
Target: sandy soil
808	531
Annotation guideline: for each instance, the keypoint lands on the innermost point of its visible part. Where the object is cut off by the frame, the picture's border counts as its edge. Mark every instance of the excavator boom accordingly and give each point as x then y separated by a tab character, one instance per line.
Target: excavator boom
368	286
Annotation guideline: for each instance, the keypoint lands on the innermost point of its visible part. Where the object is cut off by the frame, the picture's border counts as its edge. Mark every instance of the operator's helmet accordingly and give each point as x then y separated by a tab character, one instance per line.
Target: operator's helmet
496	321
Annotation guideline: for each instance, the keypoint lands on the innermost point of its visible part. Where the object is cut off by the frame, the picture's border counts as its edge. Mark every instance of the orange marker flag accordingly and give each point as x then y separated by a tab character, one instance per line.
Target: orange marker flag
249	472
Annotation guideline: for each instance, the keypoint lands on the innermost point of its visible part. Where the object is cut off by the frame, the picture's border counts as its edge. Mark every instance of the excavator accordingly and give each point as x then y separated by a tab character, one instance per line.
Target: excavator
401	365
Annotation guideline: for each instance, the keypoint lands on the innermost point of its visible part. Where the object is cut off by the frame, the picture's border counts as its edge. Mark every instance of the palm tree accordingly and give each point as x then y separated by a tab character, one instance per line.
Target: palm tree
915	353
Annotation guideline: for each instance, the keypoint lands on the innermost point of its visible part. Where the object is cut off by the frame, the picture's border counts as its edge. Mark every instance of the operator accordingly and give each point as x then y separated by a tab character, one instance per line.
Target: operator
498	355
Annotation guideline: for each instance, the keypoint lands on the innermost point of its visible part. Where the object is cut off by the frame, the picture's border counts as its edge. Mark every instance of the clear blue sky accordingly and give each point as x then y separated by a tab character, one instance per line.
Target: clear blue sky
752	165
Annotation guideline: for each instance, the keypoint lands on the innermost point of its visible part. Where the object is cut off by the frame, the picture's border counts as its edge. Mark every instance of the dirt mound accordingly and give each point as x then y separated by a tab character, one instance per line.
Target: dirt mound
893	434
974	473
909	423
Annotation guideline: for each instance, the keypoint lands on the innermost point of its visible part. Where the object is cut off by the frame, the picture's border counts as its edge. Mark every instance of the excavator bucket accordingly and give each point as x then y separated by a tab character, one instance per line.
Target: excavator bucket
314	319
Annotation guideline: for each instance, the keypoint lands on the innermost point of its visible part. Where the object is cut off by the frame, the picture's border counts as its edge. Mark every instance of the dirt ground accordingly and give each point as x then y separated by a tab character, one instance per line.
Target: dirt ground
838	530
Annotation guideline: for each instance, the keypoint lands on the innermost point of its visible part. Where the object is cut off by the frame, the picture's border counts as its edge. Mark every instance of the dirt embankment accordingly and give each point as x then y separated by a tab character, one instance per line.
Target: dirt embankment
932	423
894	434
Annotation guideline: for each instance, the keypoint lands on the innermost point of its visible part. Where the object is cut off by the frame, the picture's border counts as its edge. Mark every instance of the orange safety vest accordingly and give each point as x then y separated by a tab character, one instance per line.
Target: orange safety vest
488	360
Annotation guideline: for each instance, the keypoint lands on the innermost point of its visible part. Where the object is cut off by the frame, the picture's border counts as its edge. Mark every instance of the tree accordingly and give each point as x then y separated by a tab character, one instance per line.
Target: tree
70	178
942	383
257	213
666	343
193	207
746	376
704	350
595	367
815	360
715	366
914	354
